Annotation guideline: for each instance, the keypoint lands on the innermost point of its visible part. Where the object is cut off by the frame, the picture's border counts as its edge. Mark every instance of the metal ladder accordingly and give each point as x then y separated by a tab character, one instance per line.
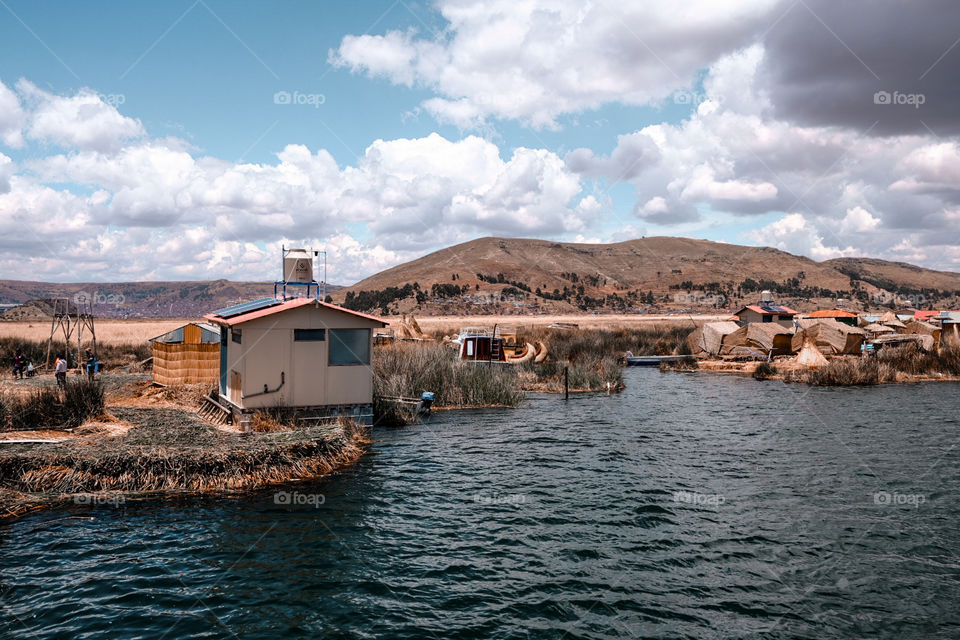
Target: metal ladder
494	346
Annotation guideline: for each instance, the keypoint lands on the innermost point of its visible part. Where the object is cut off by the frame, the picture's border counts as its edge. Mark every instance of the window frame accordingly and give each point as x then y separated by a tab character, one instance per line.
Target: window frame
336	342
300	335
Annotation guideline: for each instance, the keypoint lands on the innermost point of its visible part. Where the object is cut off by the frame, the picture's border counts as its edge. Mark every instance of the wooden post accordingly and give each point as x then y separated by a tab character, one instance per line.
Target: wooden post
566	383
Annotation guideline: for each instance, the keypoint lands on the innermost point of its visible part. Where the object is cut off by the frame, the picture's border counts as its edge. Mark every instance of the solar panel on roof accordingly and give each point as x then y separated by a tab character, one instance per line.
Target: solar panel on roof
772	308
246	307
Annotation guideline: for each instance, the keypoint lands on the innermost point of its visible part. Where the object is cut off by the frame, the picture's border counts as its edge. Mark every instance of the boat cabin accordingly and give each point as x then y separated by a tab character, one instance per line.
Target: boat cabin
481	345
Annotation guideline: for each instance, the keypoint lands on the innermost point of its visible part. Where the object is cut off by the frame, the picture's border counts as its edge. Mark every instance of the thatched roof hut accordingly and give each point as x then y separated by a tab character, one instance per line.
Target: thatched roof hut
707	339
810	356
758	339
876	329
890	319
925	342
830	337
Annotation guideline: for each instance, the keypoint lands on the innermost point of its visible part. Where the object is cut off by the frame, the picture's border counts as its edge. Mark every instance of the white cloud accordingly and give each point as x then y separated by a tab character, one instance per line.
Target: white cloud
534	61
11	118
7	169
858	220
794	234
83	121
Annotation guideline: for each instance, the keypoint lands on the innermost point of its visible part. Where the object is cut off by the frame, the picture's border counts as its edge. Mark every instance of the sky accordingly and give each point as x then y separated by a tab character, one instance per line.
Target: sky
191	139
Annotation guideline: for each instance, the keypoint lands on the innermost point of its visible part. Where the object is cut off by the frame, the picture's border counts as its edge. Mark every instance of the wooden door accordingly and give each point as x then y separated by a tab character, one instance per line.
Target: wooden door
235	389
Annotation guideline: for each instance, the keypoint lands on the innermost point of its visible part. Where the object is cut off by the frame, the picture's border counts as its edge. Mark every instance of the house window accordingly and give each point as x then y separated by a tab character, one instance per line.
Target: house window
349	346
768	318
309	335
236	335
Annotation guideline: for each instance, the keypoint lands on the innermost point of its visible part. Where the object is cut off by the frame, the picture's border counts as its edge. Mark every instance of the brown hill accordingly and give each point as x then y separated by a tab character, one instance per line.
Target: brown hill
889	275
132	299
660	265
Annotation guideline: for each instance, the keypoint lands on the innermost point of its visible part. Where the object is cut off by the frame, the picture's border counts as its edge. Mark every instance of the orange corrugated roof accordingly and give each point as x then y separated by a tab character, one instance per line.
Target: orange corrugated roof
831	313
286	306
925	314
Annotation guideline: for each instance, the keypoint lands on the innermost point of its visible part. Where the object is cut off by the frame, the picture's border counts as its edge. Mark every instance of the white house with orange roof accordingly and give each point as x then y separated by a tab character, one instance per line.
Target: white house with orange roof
299	353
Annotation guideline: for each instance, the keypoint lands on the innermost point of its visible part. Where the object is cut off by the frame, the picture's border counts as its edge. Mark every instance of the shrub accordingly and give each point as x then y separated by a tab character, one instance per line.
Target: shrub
764	371
110	355
911	359
48	407
684	364
852	371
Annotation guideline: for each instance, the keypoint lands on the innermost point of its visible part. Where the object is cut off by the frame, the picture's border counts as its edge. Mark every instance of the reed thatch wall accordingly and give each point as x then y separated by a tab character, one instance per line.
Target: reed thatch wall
186	363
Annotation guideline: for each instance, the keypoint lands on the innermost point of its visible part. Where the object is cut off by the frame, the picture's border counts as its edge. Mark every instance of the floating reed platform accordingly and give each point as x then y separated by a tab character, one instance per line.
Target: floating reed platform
171	451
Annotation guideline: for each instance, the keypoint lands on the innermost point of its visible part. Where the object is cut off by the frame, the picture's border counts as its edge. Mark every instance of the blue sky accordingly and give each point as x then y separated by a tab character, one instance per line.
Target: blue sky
164	125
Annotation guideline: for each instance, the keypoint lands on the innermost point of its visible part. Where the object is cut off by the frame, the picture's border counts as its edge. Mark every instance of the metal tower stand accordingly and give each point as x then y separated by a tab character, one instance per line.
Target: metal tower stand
85	321
66	324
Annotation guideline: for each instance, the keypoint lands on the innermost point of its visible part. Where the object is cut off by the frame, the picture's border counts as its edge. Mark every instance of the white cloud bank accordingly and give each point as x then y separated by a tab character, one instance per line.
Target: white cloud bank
151	209
535	61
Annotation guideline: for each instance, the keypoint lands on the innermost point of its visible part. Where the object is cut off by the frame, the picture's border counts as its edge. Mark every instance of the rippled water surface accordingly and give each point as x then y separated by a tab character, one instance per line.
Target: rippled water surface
690	505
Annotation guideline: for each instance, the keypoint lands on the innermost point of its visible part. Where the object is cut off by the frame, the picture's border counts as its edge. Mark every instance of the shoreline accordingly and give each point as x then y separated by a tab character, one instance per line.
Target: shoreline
785	369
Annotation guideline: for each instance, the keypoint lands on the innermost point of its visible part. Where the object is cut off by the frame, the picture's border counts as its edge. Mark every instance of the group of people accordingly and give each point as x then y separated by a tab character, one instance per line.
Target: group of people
22	366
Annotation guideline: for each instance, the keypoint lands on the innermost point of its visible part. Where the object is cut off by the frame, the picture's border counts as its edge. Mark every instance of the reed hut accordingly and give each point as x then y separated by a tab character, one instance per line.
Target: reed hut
707	339
758	339
830	336
187	355
950	328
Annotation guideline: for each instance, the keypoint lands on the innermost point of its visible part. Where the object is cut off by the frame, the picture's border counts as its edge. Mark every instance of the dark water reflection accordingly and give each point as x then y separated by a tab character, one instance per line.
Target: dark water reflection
687	506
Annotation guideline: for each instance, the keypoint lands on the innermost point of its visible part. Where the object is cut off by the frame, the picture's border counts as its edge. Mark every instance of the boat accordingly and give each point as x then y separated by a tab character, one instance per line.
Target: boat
652	361
475	344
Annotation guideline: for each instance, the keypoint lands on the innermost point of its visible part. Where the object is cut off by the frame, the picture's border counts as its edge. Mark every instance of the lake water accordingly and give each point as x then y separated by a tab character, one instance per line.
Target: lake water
690	505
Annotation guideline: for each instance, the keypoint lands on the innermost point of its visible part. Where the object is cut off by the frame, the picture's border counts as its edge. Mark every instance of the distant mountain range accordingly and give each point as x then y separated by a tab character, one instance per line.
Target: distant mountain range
674	272
516	275
132	299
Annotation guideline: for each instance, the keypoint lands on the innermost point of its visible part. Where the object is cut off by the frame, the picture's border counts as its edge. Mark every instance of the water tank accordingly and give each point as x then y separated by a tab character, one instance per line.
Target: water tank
766	296
298	266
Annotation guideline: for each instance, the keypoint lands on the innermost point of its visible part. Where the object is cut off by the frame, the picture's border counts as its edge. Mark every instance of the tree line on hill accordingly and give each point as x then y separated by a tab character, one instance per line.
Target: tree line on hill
794	287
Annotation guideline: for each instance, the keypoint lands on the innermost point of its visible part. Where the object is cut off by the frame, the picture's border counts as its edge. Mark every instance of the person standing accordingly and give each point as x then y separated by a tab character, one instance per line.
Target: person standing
19	365
61	369
91	365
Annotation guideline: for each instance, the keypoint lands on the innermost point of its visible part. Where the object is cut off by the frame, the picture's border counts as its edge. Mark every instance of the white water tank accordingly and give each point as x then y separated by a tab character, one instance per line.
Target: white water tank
766	296
298	266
